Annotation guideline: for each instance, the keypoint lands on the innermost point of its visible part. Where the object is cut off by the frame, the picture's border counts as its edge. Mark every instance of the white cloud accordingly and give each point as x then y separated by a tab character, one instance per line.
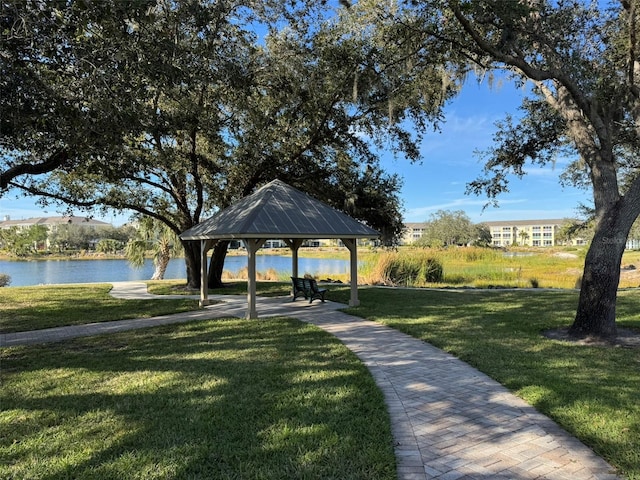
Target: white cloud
477	213
496	214
422	213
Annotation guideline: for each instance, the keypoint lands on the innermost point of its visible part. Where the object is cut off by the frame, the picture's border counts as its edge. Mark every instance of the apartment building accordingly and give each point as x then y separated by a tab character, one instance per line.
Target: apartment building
52	223
535	233
532	233
412	232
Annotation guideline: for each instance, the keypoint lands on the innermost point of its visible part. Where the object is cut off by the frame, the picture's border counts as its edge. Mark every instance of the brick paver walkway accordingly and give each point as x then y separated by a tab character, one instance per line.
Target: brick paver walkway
449	420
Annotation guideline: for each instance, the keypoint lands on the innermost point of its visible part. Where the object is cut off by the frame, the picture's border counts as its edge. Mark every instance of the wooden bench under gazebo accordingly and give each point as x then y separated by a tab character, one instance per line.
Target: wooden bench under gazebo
278	211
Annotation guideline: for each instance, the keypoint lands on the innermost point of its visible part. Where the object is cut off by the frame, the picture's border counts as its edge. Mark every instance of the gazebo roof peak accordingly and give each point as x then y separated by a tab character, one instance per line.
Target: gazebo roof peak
278	210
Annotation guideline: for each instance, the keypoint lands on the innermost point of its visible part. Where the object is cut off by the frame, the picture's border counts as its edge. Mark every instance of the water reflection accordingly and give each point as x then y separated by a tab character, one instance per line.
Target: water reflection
86	271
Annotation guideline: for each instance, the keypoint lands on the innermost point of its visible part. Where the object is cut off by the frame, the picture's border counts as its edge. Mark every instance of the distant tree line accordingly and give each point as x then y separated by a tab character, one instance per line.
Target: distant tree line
65	238
446	228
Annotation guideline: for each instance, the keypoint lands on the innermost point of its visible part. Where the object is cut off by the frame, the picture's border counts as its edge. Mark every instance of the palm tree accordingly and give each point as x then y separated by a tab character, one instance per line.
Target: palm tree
524	236
156	237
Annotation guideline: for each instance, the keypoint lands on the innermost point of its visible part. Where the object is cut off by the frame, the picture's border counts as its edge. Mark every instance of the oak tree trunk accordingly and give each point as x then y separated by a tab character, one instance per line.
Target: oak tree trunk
596	313
192	262
216	265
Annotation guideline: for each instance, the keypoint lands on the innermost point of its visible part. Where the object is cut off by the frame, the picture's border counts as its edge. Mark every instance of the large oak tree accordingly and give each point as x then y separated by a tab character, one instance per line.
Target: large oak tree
65	89
174	109
580	62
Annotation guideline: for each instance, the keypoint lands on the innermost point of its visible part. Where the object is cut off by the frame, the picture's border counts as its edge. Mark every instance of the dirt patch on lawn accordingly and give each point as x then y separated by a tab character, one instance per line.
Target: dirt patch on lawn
626	338
630	275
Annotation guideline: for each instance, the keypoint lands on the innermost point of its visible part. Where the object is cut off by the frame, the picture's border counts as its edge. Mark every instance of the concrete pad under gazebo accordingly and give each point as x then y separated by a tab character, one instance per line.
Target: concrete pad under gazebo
277	211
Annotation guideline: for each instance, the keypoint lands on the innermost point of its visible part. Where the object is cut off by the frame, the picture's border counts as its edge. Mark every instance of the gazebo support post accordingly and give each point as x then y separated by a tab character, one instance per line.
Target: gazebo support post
252	245
294	244
352	245
205	246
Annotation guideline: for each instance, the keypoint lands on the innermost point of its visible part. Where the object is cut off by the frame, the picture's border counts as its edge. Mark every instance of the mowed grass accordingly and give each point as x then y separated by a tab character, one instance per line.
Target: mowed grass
232	287
593	392
218	399
38	307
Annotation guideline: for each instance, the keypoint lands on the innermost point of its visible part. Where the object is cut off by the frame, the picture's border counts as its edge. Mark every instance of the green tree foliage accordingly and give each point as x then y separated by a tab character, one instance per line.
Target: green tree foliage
573	229
155	238
63	237
579	61
482	236
23	241
120	234
66	89
210	101
447	228
109	245
72	237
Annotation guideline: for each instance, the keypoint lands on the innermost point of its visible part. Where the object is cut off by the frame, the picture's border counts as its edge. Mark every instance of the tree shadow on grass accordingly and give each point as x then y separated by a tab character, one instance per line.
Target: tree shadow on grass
212	399
590	390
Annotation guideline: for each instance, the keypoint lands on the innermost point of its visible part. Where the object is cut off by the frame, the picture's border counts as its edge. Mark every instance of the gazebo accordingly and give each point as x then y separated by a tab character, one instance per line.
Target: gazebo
280	212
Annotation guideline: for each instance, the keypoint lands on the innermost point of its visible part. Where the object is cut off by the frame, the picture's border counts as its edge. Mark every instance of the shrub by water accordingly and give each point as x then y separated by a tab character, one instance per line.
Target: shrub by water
412	269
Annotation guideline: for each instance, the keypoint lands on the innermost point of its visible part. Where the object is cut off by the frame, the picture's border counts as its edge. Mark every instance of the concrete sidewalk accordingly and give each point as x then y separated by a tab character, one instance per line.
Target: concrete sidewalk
449	420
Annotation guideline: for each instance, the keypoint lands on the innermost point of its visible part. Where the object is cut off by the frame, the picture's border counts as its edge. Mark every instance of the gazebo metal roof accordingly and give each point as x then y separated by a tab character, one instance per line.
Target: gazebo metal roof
279	211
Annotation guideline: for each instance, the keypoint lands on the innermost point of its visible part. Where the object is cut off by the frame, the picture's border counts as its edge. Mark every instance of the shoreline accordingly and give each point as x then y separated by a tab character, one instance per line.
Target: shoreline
307	252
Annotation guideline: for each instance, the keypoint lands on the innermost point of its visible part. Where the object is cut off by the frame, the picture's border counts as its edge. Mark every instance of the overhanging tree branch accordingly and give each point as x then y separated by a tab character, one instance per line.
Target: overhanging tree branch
53	162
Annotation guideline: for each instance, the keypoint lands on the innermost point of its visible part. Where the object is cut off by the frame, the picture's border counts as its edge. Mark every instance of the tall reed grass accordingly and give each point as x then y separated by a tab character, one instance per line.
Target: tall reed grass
466	266
475	267
273	275
270	275
415	269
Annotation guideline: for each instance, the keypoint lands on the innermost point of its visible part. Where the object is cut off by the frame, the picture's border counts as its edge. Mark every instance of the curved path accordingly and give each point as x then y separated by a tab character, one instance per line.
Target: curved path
449	420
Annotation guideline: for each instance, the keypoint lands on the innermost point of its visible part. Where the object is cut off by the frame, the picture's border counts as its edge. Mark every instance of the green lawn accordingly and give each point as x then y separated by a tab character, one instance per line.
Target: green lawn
38	307
162	398
223	399
593	392
235	287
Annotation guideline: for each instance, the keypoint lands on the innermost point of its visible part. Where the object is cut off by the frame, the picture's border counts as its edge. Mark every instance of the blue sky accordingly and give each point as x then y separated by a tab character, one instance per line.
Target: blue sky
449	163
439	183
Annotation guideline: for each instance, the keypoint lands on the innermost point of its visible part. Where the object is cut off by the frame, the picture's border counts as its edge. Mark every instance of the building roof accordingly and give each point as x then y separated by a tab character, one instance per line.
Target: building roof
526	223
67	220
276	211
415	224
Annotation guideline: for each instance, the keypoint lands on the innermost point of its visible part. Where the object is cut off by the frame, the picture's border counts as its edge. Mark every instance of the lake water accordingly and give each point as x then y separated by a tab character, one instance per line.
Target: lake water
38	272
